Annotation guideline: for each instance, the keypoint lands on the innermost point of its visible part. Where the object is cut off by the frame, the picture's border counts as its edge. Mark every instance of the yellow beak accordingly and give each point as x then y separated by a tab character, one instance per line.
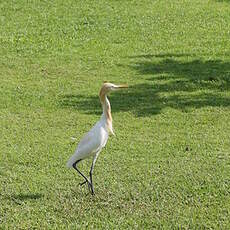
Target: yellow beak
122	86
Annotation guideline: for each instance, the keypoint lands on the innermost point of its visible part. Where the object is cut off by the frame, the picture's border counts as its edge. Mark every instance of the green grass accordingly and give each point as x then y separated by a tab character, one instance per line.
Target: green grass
169	164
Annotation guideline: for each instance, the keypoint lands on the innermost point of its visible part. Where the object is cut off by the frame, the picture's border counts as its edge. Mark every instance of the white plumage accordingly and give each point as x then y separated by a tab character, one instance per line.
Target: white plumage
93	142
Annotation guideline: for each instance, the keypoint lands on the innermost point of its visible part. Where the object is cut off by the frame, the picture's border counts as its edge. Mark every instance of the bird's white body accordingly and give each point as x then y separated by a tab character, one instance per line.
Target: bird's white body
92	143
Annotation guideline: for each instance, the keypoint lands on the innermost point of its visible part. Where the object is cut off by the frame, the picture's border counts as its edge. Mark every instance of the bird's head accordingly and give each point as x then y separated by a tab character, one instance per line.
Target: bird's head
108	87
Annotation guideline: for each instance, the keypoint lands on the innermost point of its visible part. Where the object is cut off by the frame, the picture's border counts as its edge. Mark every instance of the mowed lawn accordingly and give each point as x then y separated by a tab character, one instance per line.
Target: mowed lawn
168	165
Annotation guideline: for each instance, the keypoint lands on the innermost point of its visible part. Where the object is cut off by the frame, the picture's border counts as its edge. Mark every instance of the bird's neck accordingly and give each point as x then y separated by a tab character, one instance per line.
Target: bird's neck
107	112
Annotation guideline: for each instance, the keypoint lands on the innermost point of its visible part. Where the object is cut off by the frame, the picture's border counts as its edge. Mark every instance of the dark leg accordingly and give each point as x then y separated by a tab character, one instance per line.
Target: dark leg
86	180
91	172
91	179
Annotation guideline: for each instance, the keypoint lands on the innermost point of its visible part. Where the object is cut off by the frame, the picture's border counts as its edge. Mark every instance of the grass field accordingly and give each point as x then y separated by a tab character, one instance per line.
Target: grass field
168	165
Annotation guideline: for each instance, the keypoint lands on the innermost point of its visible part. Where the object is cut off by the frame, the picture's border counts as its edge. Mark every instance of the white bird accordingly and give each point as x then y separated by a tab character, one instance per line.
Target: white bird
93	142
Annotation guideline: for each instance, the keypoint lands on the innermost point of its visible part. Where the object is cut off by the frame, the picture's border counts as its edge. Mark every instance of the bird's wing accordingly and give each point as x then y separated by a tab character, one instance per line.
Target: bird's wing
88	144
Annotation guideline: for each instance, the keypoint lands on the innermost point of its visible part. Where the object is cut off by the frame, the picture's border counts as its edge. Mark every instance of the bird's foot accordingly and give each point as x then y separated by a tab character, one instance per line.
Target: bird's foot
83	182
89	186
92	191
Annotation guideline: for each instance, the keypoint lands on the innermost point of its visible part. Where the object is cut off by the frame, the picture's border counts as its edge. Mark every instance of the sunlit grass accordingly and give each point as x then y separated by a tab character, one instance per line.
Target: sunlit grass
168	165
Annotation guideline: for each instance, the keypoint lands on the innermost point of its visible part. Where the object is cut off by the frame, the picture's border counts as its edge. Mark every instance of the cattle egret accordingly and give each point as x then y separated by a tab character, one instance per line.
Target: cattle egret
93	142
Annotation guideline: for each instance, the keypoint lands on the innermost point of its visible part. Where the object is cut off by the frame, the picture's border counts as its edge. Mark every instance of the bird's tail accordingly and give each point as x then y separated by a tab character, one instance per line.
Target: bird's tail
71	161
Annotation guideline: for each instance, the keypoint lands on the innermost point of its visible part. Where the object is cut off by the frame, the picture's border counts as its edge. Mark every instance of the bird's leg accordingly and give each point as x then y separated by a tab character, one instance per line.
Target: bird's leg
91	180
91	172
86	180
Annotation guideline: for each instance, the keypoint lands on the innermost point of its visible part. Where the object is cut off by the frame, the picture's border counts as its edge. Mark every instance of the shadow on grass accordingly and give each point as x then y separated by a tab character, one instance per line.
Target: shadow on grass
20	198
228	1
167	82
32	196
163	55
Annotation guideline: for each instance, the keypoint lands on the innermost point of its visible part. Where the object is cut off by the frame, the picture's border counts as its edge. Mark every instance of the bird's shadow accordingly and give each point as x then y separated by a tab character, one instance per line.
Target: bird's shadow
179	81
